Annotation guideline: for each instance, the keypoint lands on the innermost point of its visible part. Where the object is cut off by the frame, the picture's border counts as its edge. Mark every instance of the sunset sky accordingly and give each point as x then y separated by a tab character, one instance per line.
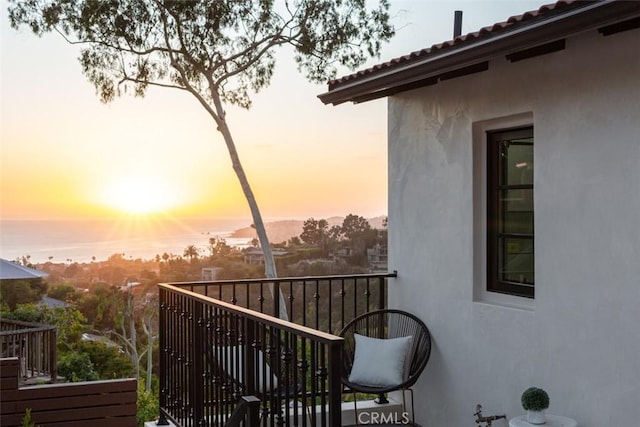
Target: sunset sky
64	154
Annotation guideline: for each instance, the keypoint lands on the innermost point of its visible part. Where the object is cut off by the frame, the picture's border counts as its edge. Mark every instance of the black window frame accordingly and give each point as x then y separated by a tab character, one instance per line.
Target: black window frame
496	163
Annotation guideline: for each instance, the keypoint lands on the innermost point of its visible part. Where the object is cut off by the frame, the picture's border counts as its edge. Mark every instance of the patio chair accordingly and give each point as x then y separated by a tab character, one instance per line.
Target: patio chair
384	351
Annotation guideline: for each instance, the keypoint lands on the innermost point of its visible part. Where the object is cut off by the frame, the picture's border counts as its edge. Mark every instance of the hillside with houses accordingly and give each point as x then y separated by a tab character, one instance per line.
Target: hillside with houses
283	230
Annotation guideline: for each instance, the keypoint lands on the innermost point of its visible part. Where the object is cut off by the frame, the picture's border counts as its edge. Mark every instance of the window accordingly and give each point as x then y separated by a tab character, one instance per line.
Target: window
510	214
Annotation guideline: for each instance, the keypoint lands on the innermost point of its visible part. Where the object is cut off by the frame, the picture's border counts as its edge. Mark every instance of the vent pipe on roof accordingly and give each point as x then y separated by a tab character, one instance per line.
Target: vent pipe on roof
457	23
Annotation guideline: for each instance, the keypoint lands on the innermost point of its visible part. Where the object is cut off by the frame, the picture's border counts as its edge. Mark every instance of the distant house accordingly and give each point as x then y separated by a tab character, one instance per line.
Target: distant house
99	338
129	285
514	210
377	257
341	253
211	273
255	256
53	303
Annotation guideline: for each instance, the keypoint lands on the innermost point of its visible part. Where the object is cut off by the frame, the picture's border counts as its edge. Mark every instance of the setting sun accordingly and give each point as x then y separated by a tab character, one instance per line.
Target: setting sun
139	195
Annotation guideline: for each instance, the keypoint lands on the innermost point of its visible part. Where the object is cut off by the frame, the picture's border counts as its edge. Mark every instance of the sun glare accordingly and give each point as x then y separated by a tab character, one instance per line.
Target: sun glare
138	195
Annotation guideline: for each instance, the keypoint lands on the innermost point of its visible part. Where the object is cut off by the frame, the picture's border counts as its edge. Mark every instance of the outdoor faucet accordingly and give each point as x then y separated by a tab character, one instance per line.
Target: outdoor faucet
488	419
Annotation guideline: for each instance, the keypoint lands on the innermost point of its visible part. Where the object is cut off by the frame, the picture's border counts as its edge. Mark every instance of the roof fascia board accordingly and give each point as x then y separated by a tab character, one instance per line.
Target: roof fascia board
459	72
585	18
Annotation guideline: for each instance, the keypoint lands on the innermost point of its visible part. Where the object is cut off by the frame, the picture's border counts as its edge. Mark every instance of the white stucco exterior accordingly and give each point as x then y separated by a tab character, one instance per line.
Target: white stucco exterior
580	337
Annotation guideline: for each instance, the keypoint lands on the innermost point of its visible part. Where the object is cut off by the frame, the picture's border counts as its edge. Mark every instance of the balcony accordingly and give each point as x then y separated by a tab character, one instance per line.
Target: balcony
34	345
28	366
227	357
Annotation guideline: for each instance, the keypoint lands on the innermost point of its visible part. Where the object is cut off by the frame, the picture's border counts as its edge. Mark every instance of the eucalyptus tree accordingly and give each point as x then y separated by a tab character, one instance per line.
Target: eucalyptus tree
218	51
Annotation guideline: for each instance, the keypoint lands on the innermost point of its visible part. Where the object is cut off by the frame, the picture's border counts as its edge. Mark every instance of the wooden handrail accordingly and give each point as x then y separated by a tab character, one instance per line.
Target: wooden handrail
286	279
259	317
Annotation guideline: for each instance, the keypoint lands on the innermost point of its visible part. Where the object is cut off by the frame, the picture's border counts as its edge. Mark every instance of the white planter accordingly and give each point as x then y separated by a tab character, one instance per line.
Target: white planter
536	417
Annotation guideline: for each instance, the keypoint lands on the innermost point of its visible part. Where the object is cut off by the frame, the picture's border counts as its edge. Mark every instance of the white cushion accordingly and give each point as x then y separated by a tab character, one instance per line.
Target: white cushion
379	362
230	357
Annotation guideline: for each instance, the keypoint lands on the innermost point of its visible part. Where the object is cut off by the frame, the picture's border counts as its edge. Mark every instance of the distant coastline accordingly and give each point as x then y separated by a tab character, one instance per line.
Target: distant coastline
59	240
81	240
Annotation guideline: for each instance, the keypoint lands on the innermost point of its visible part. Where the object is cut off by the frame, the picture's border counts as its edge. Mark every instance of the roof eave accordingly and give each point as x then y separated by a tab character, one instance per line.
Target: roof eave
555	27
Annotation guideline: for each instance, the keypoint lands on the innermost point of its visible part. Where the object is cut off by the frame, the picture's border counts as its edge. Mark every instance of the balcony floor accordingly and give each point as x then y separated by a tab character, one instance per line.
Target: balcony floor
368	407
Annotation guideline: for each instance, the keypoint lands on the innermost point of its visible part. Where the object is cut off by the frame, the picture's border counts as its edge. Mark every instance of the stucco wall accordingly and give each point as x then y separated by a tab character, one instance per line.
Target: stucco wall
580	338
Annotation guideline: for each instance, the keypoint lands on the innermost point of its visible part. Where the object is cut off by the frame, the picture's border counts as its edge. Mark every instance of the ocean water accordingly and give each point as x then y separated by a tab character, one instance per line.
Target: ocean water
81	240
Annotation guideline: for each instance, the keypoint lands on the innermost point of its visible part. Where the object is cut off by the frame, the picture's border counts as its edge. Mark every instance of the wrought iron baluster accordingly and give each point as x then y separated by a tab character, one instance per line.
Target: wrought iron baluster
261	298
291	301
316	296
304	303
342	304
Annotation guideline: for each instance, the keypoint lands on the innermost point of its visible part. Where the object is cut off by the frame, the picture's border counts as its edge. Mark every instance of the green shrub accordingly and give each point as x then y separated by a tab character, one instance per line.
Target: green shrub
26	420
535	399
148	405
76	367
107	360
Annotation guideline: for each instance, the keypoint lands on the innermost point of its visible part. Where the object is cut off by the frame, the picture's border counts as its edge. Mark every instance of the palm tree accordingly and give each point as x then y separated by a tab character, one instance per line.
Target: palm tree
191	252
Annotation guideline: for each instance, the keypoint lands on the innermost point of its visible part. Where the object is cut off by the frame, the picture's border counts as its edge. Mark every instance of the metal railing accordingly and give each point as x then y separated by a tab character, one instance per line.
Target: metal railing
34	345
324	303
221	341
212	353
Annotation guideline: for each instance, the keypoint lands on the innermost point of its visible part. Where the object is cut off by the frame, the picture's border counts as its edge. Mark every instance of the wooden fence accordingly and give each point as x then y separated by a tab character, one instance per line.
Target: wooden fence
82	404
